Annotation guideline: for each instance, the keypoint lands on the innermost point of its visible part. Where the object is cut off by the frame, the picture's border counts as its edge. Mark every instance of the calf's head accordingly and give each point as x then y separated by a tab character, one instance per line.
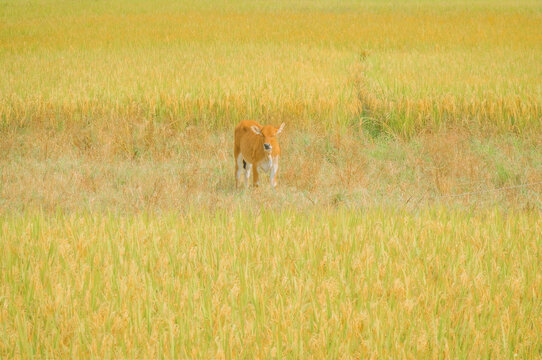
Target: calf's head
269	134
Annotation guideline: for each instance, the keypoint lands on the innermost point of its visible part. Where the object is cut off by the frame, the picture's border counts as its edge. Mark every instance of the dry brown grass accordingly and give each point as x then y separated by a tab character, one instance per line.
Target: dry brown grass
194	168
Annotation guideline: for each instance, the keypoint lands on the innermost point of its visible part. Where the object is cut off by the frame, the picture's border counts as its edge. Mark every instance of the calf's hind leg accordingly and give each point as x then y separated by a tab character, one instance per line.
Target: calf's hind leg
238	168
248	167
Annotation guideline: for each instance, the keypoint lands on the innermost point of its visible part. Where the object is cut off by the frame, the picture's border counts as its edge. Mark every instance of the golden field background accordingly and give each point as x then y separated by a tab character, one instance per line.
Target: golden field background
395	67
401	227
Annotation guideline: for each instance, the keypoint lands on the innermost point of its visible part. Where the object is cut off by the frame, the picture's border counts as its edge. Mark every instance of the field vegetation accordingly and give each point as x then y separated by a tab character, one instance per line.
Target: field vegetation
326	283
407	219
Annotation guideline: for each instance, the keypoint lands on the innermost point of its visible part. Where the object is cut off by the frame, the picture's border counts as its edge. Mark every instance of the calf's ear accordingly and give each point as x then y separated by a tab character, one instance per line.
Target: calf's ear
256	130
280	128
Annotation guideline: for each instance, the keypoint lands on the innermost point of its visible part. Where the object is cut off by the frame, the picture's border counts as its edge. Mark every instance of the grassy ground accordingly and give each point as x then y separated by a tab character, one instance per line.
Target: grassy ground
122	234
195	169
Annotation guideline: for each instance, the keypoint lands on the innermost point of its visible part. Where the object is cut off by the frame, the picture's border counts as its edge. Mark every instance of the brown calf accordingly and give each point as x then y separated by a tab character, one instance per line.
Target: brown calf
256	147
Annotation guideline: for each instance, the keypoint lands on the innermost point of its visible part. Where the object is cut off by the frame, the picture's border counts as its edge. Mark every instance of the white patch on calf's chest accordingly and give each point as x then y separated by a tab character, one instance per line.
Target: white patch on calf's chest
266	165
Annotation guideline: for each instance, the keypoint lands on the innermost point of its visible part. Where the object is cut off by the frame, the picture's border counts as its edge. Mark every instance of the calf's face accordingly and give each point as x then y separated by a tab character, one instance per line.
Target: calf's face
269	134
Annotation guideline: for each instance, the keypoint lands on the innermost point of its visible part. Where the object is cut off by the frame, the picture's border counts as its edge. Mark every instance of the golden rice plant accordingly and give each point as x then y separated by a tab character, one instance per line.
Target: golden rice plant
327	283
425	66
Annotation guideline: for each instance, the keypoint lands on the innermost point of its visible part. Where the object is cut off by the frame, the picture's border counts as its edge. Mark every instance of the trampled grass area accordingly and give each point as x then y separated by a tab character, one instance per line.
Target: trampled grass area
328	283
154	169
121	232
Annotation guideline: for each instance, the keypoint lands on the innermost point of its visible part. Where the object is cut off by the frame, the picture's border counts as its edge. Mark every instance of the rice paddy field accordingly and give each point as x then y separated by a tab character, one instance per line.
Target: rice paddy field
406	223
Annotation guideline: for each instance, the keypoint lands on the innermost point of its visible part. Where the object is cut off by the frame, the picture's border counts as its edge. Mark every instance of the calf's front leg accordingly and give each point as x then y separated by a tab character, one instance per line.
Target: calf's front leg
255	181
274	171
